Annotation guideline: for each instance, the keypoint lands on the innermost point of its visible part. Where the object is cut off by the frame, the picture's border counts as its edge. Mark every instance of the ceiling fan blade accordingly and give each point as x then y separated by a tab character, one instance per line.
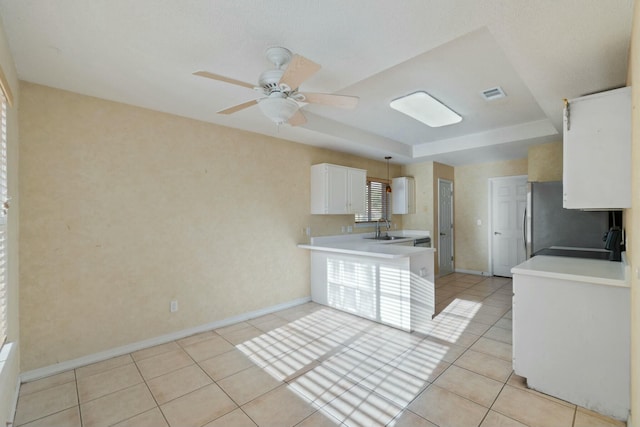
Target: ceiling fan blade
298	70
342	101
297	119
238	107
223	79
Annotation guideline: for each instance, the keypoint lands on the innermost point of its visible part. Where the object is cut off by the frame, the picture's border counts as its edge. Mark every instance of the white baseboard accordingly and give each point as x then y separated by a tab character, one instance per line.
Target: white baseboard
129	348
476	272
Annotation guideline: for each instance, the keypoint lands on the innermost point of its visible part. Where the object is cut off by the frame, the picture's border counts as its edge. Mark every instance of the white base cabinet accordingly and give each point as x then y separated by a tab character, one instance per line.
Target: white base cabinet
398	292
571	340
597	151
337	189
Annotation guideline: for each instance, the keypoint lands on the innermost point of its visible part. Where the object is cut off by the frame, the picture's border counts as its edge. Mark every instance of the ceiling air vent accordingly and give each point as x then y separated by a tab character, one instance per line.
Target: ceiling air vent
493	93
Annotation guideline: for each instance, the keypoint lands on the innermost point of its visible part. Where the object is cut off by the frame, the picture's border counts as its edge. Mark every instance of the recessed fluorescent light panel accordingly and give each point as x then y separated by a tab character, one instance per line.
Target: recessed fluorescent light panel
425	108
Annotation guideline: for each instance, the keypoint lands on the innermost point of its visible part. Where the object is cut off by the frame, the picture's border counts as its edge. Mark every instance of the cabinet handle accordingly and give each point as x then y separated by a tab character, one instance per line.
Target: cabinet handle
497	233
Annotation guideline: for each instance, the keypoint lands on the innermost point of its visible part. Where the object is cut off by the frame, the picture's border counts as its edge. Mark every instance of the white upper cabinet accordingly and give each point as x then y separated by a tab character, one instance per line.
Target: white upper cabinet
337	189
597	151
403	195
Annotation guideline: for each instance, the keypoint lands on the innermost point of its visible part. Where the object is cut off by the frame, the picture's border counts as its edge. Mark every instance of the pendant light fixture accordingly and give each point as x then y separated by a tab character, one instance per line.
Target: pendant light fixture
388	189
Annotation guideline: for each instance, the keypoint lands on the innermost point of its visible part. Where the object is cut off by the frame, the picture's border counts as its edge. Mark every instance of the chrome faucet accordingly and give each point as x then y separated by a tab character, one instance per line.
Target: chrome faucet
378	226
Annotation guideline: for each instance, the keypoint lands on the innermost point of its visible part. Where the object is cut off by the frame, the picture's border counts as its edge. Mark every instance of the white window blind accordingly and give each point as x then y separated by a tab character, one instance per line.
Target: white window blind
378	204
3	223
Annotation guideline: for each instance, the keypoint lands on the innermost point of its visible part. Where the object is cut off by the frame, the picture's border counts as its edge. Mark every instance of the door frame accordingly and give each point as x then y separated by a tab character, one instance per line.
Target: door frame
490	217
453	262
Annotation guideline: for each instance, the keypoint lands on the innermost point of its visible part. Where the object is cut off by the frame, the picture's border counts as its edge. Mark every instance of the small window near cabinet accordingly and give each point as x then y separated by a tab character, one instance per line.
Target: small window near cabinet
378	202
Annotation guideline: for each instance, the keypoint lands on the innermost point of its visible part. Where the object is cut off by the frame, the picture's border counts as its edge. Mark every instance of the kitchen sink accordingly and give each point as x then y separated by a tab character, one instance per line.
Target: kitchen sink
388	238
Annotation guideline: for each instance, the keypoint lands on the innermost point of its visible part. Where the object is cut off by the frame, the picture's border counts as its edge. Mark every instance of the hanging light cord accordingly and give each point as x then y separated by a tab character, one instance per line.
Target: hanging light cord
388	189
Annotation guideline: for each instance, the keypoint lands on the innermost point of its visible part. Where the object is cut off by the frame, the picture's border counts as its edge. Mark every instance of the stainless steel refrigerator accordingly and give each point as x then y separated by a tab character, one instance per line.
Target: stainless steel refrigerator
548	224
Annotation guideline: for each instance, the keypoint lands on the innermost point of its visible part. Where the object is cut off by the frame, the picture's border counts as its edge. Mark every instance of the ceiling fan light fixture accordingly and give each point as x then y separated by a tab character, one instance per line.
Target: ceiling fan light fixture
423	107
278	109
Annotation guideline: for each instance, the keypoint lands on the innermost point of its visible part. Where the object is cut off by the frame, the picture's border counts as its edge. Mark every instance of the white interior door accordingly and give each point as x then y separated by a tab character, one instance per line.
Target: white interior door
445	226
508	203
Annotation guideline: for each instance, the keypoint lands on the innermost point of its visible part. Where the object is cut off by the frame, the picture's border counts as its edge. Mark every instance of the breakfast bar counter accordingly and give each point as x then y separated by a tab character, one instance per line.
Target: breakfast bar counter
382	280
366	245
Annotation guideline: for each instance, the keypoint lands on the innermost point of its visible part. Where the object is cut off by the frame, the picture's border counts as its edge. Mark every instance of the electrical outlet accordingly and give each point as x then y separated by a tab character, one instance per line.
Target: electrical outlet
174	306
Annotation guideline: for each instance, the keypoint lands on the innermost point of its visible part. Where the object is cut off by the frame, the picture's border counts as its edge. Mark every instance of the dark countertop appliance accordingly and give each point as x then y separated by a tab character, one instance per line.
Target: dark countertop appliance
424	242
574	253
613	243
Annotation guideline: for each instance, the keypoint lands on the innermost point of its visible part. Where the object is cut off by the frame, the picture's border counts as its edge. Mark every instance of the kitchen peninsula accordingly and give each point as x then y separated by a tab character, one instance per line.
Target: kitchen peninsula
387	281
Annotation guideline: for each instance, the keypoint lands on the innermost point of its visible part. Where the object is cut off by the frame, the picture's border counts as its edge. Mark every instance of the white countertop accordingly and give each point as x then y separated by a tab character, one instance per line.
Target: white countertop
576	269
359	244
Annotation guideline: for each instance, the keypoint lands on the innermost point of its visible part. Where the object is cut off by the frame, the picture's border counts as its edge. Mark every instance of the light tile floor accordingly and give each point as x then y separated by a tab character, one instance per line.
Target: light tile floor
314	366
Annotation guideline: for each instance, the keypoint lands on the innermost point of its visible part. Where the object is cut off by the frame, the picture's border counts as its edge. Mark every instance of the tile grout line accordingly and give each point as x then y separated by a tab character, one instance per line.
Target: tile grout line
575	415
494	402
467	349
53	413
150	392
207	374
238	406
312	339
526	390
75	379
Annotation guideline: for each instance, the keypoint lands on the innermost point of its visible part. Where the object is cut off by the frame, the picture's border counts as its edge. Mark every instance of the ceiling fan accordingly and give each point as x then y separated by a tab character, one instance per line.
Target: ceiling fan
281	99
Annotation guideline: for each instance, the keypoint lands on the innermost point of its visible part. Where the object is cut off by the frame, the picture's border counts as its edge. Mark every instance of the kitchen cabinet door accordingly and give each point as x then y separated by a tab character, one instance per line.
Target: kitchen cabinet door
597	151
403	195
337	189
357	184
565	332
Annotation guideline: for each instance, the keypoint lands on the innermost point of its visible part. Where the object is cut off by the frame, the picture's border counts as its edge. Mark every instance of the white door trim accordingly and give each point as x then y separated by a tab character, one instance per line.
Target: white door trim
490	217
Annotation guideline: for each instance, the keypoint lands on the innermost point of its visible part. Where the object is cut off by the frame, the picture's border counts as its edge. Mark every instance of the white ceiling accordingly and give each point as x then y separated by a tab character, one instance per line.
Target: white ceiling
144	52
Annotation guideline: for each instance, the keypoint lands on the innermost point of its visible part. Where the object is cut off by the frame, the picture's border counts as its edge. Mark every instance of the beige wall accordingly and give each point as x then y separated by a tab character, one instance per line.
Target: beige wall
632	217
10	368
471	195
545	162
426	217
423	218
126	209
